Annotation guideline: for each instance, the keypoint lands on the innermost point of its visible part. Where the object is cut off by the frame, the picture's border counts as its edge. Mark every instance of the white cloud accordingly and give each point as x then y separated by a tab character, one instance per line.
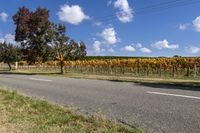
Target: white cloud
72	14
98	23
3	16
145	50
137	45
8	38
109	35
96	47
196	24
164	45
129	48
111	50
125	13
193	49
184	26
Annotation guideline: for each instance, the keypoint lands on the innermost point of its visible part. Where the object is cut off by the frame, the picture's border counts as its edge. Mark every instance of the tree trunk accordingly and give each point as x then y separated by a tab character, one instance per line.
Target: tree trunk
62	67
10	68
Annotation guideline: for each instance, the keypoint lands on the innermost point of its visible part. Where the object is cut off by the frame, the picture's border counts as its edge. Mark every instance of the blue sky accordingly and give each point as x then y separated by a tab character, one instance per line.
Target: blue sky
120	27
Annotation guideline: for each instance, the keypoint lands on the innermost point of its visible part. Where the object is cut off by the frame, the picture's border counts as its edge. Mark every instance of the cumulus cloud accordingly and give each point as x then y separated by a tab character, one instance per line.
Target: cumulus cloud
129	48
145	50
193	49
196	24
109	36
164	45
137	45
8	38
184	26
72	14
125	13
96	47
3	16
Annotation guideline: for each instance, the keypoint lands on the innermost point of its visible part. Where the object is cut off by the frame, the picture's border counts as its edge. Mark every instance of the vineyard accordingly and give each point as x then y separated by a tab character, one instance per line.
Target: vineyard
136	67
153	67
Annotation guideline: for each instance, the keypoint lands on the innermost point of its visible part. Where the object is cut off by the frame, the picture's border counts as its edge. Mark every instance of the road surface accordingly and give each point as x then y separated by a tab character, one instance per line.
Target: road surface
157	109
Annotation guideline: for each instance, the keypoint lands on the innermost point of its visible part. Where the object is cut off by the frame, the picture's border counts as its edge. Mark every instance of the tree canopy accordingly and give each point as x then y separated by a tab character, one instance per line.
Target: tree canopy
9	53
32	31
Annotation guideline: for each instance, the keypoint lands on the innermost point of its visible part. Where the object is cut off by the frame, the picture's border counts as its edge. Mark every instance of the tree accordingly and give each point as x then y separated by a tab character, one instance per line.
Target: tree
177	56
32	31
59	43
9	54
65	49
82	50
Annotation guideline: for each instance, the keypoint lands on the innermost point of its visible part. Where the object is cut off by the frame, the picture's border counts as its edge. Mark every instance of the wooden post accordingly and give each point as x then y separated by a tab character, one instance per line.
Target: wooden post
138	70
147	70
93	69
16	65
110	69
124	69
173	71
188	71
160	70
195	71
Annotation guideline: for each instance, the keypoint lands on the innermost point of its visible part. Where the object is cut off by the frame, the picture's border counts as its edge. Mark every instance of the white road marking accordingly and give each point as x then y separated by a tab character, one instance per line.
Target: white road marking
175	95
37	79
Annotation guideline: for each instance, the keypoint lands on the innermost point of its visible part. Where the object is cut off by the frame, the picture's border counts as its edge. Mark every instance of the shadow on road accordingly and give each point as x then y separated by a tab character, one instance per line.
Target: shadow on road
179	86
192	86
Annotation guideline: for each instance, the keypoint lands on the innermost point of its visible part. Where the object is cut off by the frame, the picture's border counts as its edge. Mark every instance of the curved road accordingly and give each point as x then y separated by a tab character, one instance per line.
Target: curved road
157	109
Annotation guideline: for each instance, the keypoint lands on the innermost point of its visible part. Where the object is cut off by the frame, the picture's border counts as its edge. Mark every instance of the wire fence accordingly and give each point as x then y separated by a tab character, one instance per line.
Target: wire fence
192	72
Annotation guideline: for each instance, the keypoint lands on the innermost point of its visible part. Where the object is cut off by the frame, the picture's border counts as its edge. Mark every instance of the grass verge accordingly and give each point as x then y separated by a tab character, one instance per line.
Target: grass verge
194	83
24	114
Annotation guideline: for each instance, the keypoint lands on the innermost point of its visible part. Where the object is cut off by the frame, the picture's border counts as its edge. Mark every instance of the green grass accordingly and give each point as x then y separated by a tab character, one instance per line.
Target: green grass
21	114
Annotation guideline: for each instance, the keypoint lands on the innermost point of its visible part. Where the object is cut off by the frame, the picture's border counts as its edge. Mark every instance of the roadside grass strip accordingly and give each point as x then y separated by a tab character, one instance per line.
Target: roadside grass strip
23	114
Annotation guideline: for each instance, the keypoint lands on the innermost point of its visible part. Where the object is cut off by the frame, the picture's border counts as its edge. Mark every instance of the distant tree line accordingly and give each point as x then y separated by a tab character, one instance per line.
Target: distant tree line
40	40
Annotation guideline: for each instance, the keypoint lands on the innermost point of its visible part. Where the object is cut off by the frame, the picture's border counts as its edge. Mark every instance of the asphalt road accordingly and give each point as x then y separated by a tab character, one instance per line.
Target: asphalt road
154	108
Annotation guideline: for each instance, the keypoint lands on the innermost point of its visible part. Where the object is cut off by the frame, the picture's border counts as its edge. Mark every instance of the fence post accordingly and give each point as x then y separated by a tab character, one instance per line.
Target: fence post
16	65
173	71
195	71
188	71
123	69
147	70
138	70
160	70
110	69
